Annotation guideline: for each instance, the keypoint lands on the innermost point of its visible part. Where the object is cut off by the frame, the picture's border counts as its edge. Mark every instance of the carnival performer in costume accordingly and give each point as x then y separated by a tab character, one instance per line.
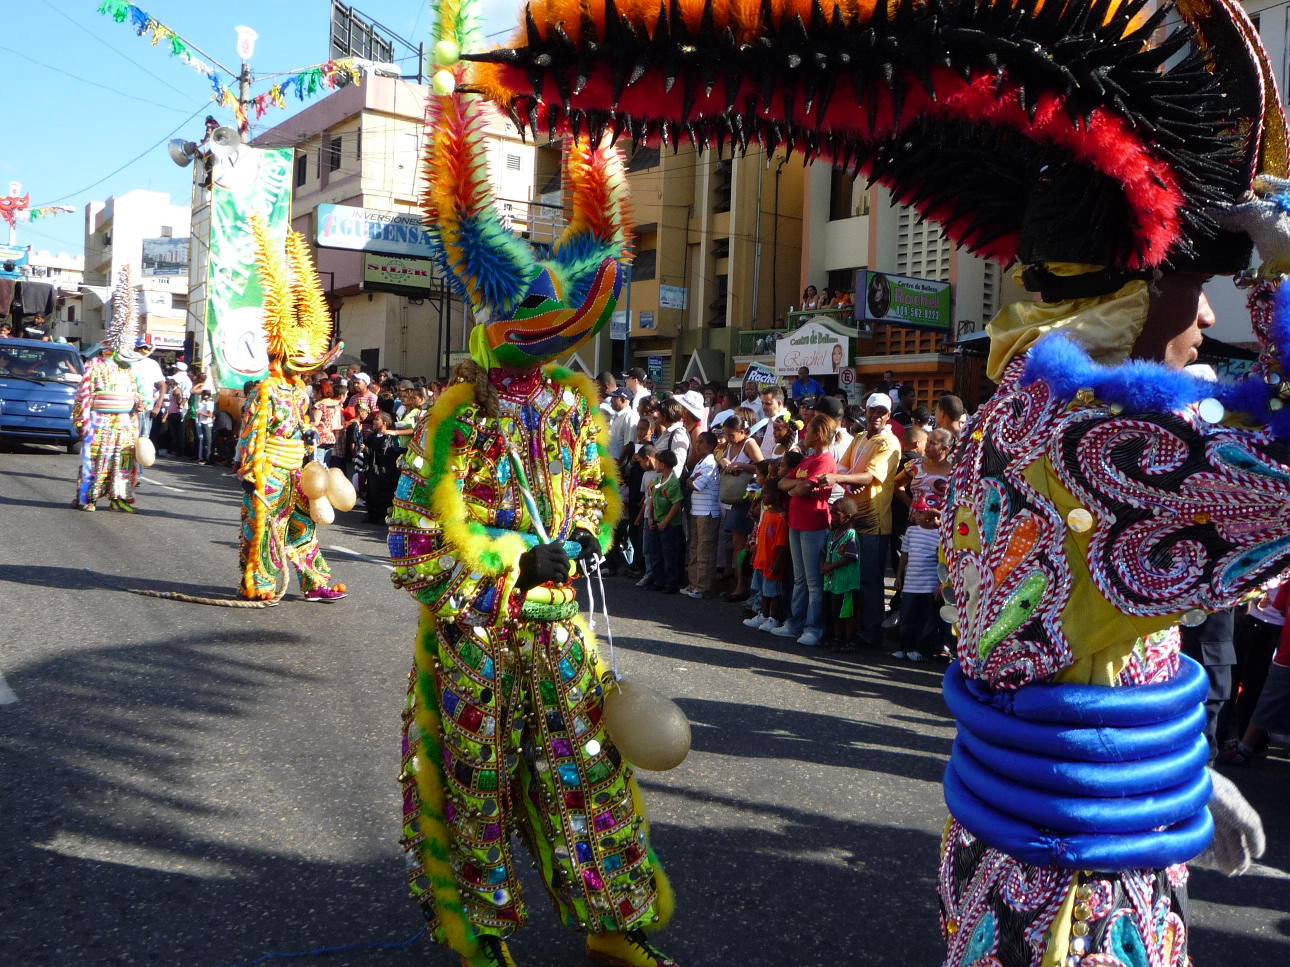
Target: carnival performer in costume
506	482
1101	496
106	410
277	528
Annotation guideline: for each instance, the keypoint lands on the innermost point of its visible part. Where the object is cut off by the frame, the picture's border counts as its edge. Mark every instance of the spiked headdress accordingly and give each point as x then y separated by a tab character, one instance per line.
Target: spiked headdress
123	331
530	311
297	323
1078	130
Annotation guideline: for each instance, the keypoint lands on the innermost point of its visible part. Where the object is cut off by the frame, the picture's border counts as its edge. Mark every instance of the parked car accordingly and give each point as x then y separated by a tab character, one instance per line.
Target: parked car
38	386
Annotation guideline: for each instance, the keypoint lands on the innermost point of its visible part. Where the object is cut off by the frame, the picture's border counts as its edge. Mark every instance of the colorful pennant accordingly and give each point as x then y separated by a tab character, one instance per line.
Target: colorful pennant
306	83
142	23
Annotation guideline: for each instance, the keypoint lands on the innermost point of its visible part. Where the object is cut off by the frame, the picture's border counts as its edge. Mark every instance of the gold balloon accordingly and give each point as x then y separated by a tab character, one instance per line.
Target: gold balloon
339	490
313	480
649	729
321	511
145	452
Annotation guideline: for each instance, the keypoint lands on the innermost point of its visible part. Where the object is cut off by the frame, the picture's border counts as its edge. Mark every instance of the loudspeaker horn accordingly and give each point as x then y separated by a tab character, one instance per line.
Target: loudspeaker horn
181	151
224	141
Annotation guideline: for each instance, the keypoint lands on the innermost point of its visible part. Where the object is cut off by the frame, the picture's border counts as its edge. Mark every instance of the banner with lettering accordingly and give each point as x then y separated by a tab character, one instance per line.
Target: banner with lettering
903	300
250	181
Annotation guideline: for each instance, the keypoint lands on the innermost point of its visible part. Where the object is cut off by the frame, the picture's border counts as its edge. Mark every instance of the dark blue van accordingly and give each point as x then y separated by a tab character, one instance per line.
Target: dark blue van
38	385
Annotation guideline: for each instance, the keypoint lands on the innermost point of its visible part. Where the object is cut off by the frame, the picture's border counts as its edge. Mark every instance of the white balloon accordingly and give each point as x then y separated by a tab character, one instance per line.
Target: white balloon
145	452
339	490
321	511
313	480
649	729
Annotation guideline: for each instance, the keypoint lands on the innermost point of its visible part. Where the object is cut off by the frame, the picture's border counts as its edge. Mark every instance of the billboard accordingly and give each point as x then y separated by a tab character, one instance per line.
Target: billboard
815	346
371	230
250	181
902	300
165	256
396	273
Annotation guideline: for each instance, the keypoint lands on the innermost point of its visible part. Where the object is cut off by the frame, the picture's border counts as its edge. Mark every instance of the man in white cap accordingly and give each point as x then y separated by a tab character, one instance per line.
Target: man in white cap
361	392
150	381
868	470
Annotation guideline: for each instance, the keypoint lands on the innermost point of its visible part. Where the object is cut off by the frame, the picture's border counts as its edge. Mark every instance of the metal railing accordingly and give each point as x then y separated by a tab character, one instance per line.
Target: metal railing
757	342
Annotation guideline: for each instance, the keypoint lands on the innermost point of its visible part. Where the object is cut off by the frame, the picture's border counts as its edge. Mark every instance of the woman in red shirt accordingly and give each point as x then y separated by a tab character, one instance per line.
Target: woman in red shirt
808	528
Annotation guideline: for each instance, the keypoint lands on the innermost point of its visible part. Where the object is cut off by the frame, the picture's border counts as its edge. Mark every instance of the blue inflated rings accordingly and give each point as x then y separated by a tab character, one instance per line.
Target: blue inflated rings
1083	777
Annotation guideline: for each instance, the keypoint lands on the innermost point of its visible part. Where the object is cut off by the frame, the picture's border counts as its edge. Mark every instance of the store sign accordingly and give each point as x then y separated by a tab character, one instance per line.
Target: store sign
757	373
371	230
654	367
647	320
904	301
394	273
618	326
18	255
815	346
673	297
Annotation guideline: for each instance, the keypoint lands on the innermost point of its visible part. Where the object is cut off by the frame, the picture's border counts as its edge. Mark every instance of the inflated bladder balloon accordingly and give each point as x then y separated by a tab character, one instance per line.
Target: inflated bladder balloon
320	509
339	490
145	452
649	729
313	480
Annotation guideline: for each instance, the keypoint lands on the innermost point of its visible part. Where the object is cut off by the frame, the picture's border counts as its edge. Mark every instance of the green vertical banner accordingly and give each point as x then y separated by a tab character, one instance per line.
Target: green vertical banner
250	181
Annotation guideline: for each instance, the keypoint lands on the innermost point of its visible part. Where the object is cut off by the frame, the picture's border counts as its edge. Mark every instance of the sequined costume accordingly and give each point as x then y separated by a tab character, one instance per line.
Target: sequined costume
503	734
506	694
106	408
277	528
105	412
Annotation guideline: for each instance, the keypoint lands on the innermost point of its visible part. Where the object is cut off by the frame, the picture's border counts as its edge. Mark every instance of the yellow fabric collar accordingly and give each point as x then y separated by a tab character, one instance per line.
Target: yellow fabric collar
1106	326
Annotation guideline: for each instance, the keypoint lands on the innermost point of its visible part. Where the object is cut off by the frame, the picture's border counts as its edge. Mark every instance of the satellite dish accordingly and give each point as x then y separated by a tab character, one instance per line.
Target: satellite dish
181	151
224	141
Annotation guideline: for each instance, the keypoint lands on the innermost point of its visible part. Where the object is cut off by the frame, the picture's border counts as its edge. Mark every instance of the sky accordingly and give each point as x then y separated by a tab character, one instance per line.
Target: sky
86	95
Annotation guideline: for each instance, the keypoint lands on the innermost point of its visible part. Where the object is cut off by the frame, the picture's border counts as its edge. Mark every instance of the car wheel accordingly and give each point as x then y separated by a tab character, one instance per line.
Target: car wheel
74	446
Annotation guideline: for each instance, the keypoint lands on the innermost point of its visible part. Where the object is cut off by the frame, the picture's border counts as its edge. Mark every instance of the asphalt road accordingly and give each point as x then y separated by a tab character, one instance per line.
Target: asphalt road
193	785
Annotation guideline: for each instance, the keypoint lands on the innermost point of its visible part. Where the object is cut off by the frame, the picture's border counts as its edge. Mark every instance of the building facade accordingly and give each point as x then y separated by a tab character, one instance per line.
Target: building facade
65	272
147	231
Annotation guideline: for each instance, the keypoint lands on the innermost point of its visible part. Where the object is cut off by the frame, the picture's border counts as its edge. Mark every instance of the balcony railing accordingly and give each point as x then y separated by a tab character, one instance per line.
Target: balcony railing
844	316
757	342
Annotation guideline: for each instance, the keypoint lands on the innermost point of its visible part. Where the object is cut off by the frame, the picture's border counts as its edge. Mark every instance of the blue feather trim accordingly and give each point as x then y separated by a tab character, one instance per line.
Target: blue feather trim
1140	386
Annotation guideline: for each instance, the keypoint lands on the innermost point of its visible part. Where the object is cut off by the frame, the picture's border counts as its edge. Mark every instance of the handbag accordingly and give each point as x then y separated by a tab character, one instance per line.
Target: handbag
734	486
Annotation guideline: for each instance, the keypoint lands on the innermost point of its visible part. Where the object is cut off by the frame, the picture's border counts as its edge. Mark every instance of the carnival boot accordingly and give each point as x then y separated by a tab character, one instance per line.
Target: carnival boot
630	949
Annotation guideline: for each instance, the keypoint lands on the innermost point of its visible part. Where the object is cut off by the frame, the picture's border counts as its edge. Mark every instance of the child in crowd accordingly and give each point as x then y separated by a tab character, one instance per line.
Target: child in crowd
841	570
922	632
381	467
644	519
205	415
633	472
664	532
705	517
770	558
352	443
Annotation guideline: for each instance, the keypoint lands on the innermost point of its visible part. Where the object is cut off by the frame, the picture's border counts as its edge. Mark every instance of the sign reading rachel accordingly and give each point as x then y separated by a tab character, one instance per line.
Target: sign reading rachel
371	230
397	273
815	346
902	300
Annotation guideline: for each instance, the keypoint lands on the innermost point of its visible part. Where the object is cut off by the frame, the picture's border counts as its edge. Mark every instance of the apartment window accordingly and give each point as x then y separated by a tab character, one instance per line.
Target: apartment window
722	176
302	170
178	301
333	152
643	158
841	189
512	162
358	145
644	265
167	231
71	313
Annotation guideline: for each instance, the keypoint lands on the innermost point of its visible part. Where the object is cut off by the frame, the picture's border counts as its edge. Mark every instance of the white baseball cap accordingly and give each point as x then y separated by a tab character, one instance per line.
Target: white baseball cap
878	399
363	378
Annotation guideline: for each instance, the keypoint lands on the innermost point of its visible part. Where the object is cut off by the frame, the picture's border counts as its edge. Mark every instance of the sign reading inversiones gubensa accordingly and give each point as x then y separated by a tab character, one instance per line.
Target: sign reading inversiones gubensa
371	230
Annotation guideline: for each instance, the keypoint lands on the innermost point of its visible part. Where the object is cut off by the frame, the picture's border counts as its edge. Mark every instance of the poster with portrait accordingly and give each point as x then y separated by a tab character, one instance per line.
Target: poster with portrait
902	300
815	346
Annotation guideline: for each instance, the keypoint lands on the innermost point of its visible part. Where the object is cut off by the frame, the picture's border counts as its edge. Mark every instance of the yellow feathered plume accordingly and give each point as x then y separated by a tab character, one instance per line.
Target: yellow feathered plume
297	323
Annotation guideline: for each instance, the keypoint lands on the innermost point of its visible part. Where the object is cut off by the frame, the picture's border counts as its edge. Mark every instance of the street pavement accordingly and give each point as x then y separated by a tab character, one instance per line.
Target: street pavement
192	785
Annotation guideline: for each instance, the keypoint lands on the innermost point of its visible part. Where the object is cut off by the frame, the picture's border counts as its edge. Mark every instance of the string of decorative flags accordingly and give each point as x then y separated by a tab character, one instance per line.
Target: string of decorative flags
142	23
45	211
307	83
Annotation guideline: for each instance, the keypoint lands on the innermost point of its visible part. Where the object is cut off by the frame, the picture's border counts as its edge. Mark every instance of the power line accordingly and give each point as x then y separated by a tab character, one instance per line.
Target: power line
117	171
93	83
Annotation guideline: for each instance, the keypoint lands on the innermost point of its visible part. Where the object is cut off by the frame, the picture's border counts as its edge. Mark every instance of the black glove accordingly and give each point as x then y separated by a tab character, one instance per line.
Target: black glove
589	543
546	562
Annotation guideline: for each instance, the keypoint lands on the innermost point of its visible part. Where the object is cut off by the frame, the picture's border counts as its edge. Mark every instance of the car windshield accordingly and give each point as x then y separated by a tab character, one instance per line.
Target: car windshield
54	361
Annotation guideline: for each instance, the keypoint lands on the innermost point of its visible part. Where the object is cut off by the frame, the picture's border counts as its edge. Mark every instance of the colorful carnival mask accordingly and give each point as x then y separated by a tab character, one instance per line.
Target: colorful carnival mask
529	311
123	331
297	323
1087	132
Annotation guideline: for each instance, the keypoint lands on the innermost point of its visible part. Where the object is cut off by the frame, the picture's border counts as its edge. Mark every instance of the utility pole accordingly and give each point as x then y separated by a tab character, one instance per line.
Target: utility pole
246	38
